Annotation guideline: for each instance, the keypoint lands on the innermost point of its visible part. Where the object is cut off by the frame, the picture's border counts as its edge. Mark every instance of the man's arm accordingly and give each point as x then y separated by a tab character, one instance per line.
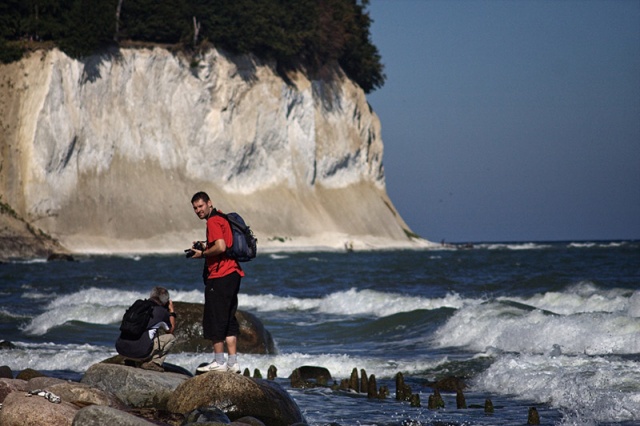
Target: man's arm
218	247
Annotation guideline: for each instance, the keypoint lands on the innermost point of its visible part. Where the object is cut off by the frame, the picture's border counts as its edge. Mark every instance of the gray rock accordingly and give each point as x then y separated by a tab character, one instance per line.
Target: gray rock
238	396
135	387
99	415
18	409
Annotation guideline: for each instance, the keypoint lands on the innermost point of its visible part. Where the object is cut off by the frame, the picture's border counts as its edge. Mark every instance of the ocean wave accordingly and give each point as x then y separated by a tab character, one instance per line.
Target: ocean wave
592	390
513	246
353	302
581	297
507	327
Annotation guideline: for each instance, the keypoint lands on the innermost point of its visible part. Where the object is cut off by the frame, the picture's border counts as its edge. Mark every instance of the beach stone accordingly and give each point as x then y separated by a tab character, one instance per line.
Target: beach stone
5	372
11	385
43	382
238	396
249	421
82	395
18	409
310	377
207	415
135	387
99	415
28	374
253	338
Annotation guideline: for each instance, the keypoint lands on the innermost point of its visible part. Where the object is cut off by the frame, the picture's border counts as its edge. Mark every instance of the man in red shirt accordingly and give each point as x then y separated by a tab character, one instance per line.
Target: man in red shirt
222	277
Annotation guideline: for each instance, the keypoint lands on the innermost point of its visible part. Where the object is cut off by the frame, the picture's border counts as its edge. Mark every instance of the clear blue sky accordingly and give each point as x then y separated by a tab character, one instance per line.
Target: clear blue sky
511	120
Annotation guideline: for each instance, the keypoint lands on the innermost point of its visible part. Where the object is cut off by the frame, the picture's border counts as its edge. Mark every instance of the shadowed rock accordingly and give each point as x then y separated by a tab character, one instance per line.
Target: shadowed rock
449	384
415	400
5	372
253	338
372	387
353	380
98	415
364	380
403	391
272	373
28	374
238	396
435	400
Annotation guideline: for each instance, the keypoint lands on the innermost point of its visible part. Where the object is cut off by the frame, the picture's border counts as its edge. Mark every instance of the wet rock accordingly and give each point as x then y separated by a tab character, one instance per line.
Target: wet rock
372	387
364	380
207	415
238	396
313	376
99	415
66	257
353	380
272	373
134	386
415	400
435	401
253	338
5	344
533	417
257	374
18	409
461	402
403	391
449	384
488	406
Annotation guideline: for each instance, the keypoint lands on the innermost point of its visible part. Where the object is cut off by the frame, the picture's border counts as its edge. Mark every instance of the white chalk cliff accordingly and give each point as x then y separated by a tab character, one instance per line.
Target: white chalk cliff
104	154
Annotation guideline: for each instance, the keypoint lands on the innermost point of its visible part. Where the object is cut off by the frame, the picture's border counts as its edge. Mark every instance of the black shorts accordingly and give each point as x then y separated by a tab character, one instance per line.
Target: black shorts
220	305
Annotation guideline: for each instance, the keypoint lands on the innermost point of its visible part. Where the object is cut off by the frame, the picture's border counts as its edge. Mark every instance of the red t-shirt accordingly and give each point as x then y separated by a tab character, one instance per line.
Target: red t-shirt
221	265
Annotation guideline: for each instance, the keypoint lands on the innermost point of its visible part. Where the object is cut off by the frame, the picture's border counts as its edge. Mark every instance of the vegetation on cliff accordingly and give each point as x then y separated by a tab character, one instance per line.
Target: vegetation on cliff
309	33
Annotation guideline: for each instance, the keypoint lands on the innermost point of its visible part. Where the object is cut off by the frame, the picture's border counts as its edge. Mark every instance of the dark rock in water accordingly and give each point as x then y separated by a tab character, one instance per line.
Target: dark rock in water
253	338
5	344
353	381
135	387
272	373
533	418
461	402
312	376
364	380
372	387
384	392
60	257
488	406
257	374
415	400
435	401
5	372
96	415
238	396
207	414
403	391
449	384
28	374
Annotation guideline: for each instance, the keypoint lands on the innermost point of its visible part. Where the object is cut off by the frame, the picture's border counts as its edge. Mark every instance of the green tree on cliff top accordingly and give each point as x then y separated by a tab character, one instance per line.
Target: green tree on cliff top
313	34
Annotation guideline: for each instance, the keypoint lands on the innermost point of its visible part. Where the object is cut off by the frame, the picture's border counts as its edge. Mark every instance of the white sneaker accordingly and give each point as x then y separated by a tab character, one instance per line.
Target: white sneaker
233	368
214	366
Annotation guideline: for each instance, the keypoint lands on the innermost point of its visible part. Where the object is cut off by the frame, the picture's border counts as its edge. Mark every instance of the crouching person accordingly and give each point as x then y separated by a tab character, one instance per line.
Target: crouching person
146	332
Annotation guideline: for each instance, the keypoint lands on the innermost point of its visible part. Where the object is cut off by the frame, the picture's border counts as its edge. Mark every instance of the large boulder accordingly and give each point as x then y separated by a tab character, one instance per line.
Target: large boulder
253	338
11	385
238	396
134	386
20	409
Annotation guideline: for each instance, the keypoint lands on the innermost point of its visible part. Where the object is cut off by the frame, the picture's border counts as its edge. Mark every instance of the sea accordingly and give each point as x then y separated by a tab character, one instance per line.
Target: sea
553	326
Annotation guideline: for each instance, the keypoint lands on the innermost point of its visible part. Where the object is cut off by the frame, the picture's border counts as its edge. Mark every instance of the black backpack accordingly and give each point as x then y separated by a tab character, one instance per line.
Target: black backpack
244	247
136	319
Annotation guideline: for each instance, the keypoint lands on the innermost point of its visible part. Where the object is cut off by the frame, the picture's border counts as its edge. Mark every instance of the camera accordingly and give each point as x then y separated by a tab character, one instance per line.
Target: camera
198	245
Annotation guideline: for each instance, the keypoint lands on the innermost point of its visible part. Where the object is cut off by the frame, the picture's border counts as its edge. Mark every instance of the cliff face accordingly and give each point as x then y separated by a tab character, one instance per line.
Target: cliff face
104	154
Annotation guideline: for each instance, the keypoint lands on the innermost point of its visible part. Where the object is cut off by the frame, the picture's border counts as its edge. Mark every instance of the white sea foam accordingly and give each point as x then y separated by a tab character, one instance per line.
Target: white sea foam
514	329
106	306
95	306
78	358
352	302
590	390
581	297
